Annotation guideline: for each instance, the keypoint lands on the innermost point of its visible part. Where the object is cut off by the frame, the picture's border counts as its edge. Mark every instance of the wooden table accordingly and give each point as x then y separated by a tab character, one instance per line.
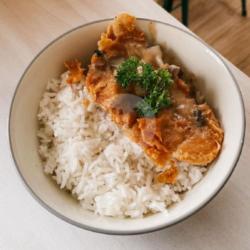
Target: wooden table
26	27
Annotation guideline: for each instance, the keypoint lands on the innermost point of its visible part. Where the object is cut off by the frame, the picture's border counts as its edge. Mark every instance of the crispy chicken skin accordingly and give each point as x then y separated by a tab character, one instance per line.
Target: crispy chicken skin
186	131
120	36
75	74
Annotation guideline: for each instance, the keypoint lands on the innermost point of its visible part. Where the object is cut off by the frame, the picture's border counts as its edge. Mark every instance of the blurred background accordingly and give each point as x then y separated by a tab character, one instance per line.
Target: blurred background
220	23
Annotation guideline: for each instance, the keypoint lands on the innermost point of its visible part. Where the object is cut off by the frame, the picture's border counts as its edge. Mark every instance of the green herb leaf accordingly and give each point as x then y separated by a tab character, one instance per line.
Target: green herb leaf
144	108
156	83
164	78
147	77
127	72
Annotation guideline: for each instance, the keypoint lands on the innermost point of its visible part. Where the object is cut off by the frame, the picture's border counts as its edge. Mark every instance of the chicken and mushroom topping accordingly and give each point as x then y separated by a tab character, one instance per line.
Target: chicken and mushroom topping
150	100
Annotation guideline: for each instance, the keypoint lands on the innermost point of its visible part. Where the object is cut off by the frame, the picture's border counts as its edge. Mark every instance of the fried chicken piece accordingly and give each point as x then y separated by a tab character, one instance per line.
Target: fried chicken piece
163	134
102	86
168	176
75	74
204	145
119	34
186	131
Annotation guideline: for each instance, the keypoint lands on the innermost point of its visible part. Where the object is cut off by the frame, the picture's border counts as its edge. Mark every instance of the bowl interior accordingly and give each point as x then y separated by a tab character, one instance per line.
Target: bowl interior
215	82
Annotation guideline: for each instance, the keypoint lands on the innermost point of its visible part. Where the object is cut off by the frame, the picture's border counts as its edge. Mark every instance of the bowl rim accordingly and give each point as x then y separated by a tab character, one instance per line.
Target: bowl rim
162	226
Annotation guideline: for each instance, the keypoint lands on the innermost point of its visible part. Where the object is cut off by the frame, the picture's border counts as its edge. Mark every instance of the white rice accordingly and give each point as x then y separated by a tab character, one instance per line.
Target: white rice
86	153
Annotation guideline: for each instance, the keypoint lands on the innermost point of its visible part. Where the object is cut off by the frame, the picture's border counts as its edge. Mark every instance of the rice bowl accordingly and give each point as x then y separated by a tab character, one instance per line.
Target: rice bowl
69	211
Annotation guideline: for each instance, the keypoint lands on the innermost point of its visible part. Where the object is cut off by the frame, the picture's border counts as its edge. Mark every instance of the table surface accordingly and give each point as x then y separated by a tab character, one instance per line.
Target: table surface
26	27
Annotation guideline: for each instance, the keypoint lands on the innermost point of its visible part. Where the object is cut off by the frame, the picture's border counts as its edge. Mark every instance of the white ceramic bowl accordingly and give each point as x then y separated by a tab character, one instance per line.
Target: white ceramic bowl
218	84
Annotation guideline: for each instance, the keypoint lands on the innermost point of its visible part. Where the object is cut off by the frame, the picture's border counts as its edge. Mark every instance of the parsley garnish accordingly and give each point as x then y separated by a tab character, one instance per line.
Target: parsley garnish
156	83
127	72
